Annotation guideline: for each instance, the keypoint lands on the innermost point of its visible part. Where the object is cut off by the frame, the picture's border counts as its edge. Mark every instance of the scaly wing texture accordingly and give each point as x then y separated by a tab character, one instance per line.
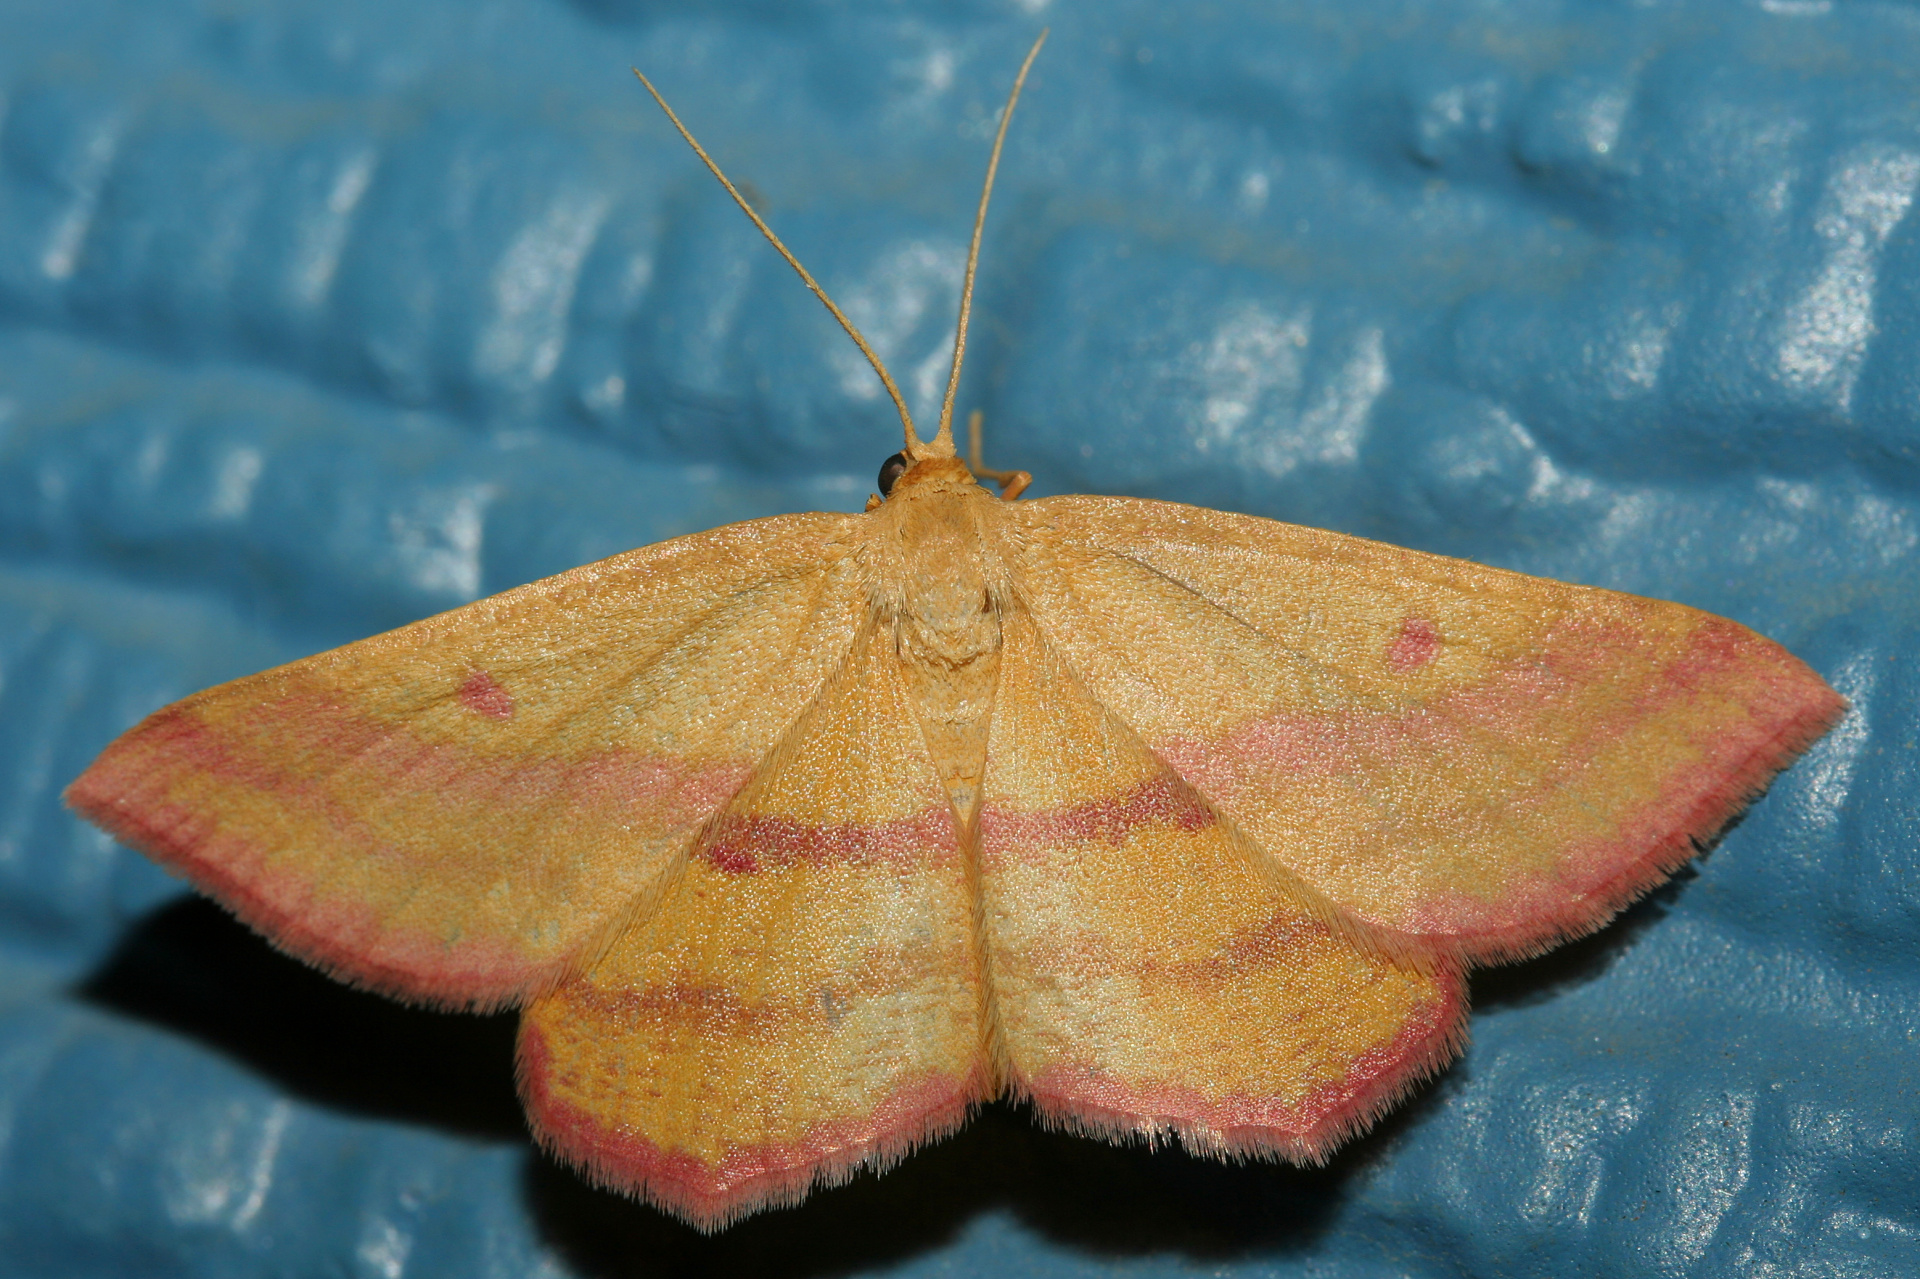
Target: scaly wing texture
1151	971
451	811
1485	761
806	996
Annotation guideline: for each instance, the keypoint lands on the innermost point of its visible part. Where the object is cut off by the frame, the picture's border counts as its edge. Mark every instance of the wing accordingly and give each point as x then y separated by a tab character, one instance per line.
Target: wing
450	812
1485	761
1152	972
805	996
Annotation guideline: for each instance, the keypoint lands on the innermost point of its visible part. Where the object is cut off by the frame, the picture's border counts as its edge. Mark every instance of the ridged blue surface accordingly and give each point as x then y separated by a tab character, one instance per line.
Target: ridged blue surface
319	316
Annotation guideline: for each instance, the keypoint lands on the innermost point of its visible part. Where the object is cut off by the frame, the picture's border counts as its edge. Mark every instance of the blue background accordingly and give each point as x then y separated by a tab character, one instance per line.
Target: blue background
322	315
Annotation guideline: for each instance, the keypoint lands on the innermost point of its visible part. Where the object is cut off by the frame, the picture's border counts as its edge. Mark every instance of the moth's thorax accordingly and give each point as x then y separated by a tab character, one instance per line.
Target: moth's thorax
935	576
933	562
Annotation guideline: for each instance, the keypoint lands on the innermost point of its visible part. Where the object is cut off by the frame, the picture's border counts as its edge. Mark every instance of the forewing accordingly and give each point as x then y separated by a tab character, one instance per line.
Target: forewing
454	810
805	997
1151	973
1486	761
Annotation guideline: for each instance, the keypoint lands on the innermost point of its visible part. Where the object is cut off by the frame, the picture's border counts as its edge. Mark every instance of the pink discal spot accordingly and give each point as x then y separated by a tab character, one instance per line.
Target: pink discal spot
483	695
1414	646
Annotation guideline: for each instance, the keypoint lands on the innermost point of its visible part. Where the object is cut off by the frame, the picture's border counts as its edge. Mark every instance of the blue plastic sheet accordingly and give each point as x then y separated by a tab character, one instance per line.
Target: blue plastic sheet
319	316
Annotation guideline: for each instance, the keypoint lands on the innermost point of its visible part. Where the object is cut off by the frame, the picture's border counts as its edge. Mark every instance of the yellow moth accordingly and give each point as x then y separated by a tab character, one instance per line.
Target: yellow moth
797	840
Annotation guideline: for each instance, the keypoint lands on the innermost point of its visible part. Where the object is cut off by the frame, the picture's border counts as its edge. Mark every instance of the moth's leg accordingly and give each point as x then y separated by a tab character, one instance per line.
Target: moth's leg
1012	483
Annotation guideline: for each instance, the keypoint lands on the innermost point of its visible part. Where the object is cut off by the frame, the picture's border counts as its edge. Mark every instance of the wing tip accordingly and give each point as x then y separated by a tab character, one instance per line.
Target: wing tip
1800	719
1237	1130
123	792
778	1175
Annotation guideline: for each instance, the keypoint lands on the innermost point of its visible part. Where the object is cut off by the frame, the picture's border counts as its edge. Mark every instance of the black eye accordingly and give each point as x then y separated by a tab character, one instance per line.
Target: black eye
890	472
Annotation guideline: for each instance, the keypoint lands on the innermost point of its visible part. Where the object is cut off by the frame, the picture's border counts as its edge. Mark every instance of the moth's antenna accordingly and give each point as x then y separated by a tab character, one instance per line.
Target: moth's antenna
906	418
945	435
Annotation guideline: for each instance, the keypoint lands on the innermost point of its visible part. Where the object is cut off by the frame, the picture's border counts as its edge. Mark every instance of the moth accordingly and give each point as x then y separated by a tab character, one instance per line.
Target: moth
797	840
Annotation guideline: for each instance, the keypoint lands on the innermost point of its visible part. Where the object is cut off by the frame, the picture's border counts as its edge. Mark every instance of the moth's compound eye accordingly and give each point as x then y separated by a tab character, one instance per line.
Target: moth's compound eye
890	472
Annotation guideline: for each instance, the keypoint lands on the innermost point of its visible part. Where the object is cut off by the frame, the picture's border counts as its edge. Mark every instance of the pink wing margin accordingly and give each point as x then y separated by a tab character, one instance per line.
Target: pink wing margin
454	812
1482	763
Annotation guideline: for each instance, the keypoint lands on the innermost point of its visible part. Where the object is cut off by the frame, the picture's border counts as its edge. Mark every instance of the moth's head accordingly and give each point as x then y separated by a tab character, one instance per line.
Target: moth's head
935	472
933	466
